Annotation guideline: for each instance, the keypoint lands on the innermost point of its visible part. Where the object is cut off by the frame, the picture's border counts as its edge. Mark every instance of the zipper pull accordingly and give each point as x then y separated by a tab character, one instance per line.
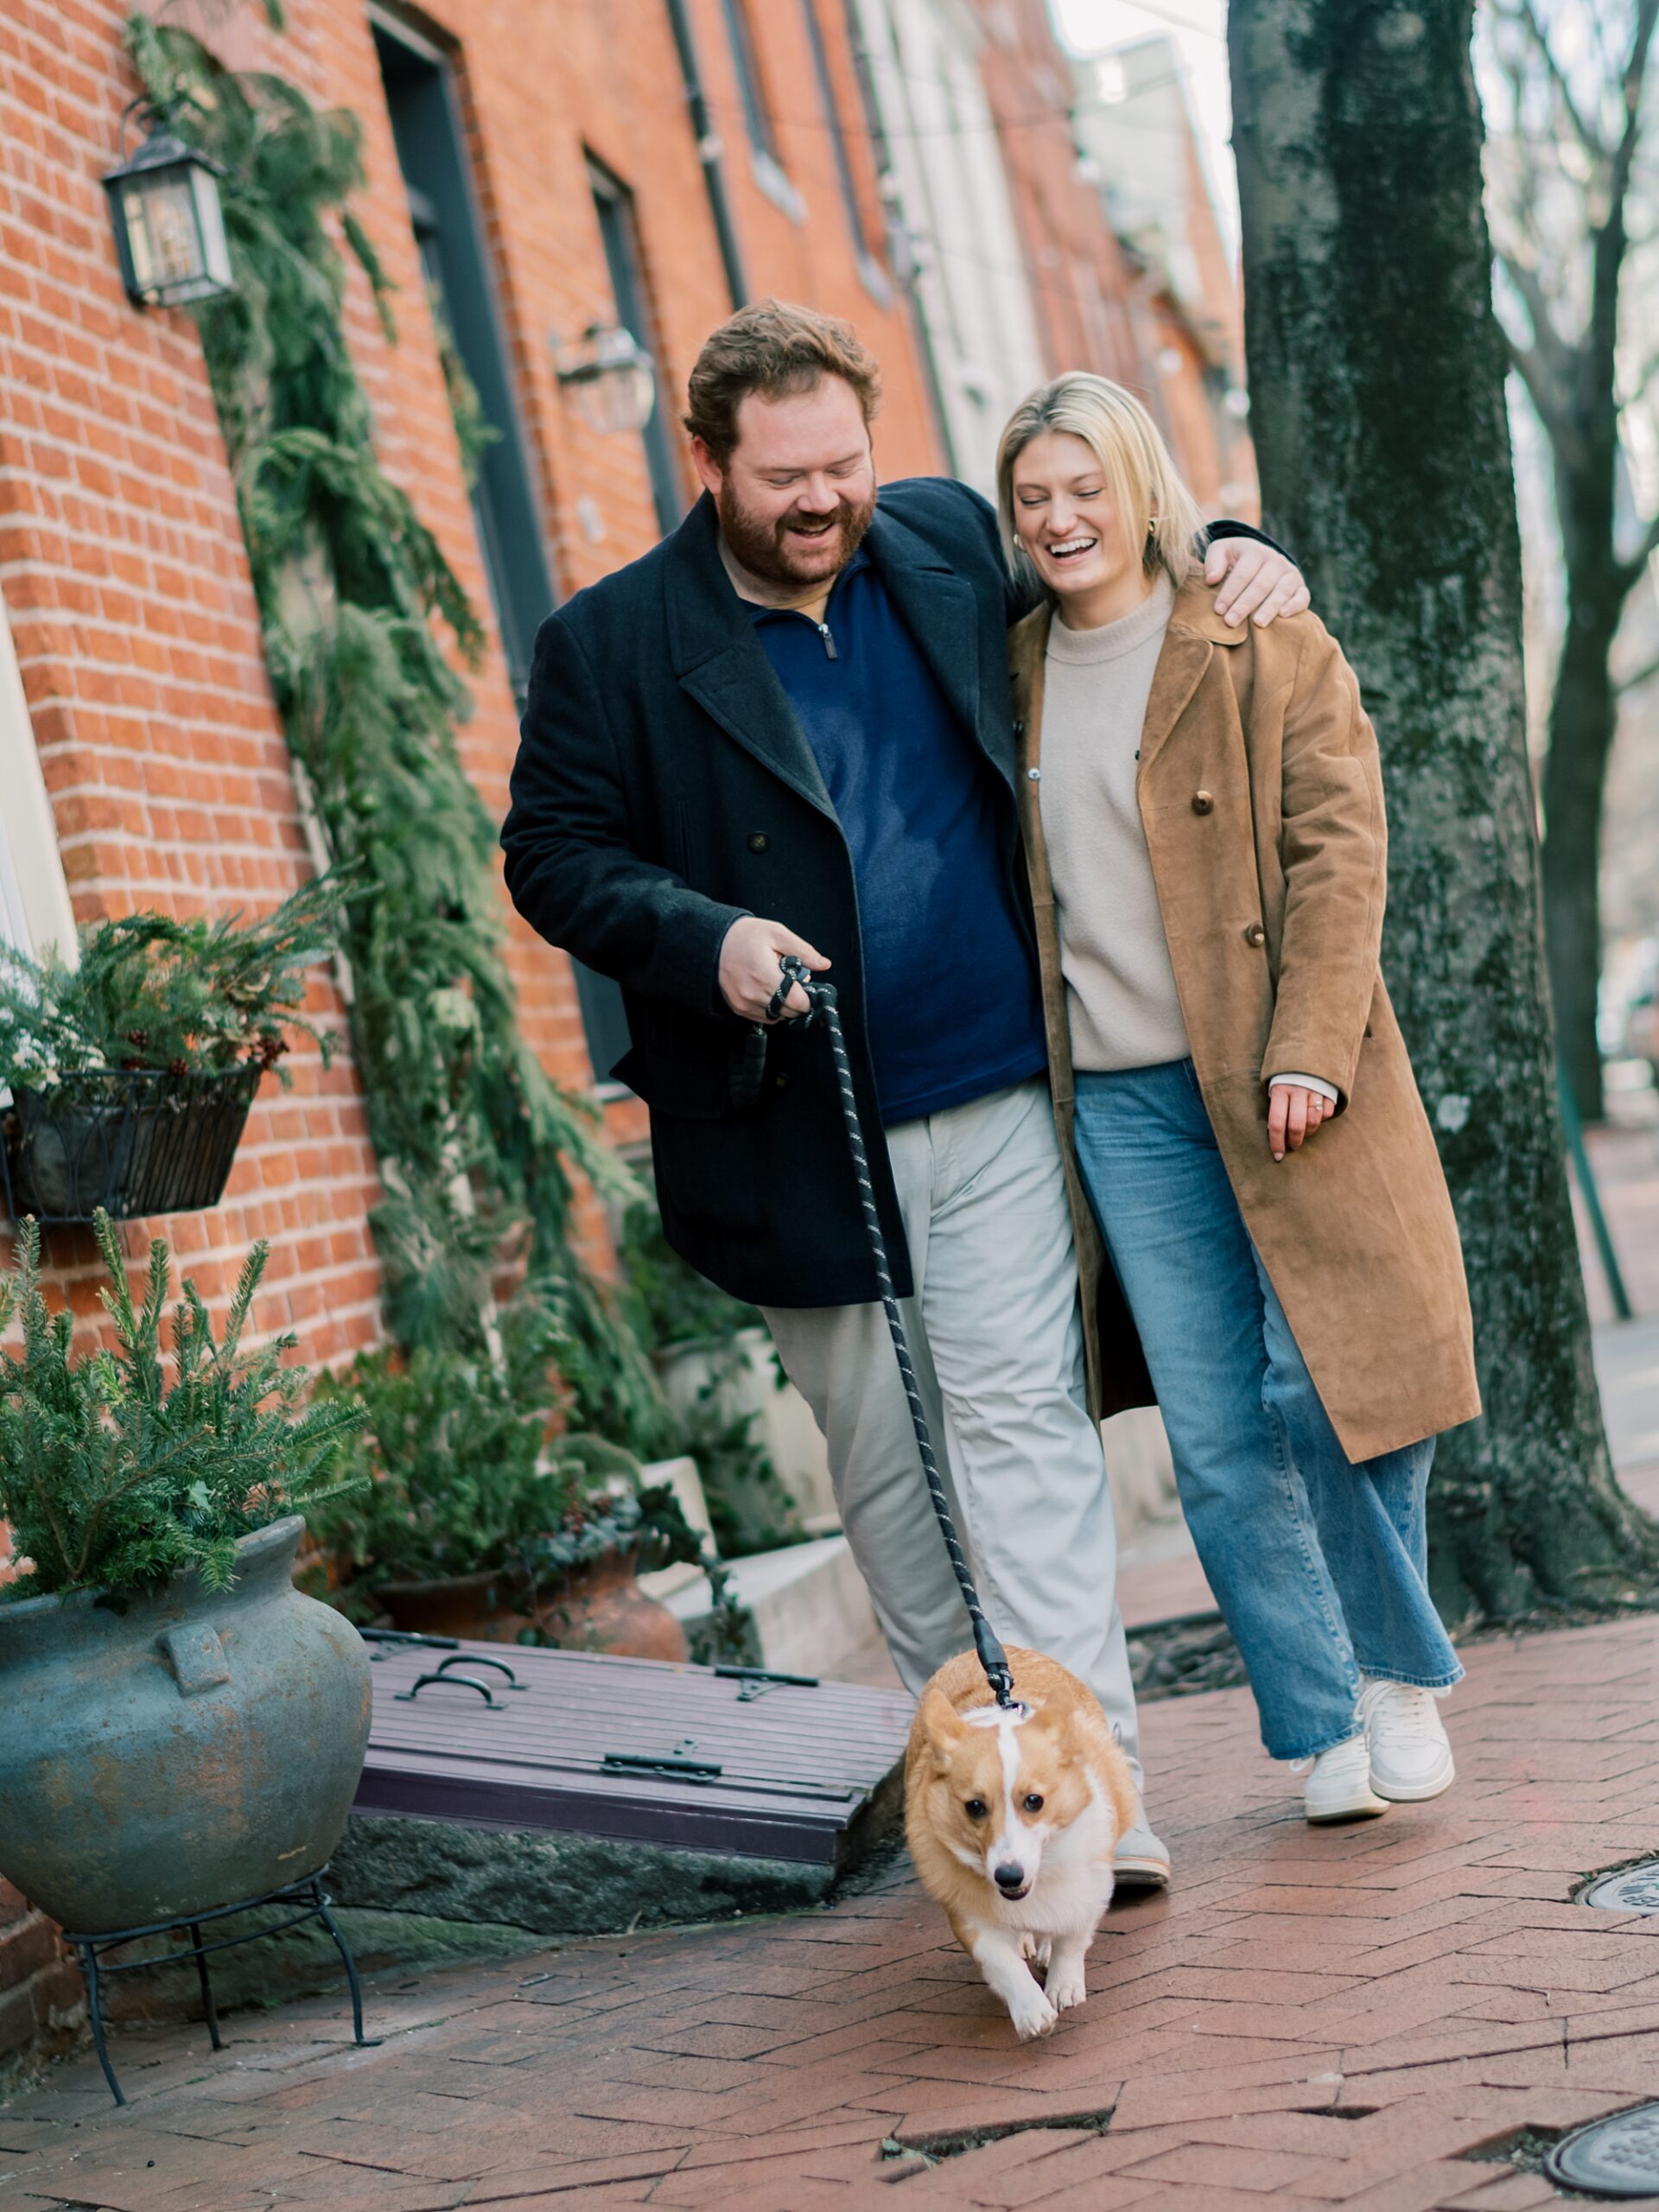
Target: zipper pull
830	653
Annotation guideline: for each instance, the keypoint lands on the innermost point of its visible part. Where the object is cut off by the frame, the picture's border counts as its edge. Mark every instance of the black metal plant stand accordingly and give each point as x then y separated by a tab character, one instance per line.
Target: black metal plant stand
309	1897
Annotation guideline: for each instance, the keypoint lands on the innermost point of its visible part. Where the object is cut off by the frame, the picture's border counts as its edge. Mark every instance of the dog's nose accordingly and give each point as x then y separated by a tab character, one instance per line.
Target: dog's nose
1010	1876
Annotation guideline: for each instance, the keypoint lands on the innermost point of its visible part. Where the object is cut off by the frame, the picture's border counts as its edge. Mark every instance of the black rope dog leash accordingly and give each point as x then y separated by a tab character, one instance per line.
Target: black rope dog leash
821	1000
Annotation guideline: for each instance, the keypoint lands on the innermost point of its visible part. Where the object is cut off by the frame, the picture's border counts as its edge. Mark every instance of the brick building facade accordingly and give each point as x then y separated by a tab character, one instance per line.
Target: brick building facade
536	166
1081	285
125	580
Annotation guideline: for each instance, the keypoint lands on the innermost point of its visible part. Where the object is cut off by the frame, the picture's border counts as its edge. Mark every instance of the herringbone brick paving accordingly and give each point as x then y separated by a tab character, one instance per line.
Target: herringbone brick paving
1335	2017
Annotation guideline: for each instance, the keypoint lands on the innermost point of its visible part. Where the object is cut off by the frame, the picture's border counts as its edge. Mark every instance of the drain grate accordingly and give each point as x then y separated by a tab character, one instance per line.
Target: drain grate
1616	2157
1635	1890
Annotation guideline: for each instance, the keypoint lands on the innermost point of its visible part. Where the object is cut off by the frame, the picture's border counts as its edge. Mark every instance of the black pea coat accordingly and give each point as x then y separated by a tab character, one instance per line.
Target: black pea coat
663	789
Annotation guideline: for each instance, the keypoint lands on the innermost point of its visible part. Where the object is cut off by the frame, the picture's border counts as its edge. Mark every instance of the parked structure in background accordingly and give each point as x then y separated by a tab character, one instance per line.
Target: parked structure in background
1134	125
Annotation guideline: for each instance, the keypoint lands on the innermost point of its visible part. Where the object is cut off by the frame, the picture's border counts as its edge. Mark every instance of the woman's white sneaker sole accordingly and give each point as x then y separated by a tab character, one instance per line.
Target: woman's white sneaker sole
1417	1793
1357	1808
1338	1785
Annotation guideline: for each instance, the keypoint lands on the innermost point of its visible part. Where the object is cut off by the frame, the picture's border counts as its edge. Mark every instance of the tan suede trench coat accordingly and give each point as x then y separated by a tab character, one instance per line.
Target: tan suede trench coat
1262	797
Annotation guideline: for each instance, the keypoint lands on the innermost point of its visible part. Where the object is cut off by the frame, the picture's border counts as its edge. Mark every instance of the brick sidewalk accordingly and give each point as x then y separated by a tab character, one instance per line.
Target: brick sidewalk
1319	2016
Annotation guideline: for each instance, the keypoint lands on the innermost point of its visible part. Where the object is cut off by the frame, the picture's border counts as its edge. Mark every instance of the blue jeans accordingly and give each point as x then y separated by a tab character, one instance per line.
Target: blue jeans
1319	1565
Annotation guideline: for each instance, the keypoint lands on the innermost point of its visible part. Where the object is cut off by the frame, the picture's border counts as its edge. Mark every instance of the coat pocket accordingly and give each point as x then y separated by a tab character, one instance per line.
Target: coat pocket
708	1172
692	1089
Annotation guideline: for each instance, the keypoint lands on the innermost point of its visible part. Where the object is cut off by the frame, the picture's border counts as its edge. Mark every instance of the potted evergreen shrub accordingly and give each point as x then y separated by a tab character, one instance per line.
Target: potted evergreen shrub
131	1073
478	1513
180	1728
763	1463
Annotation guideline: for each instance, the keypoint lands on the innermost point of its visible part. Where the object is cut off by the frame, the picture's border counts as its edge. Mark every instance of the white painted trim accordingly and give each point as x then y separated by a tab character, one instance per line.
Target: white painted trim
34	903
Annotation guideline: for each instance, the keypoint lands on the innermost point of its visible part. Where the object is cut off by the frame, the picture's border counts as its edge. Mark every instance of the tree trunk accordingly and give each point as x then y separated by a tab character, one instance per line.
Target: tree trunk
1377	379
1582	718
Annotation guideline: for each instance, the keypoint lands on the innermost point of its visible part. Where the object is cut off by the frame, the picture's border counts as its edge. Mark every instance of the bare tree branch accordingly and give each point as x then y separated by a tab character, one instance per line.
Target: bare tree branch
1546	366
1610	238
1524	16
1641	676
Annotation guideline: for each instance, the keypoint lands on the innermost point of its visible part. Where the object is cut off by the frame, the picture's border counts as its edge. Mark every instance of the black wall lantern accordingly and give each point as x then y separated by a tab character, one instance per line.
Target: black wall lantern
169	231
611	375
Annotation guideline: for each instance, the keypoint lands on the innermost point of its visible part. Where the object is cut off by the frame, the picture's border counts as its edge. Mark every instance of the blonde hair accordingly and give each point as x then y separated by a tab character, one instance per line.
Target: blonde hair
1146	492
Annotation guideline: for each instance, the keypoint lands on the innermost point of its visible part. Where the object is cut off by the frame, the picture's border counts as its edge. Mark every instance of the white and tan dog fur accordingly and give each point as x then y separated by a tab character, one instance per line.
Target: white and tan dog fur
1013	1818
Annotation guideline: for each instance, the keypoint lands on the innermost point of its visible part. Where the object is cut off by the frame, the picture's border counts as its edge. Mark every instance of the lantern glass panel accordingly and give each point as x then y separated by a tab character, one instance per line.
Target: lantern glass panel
210	221
162	232
618	395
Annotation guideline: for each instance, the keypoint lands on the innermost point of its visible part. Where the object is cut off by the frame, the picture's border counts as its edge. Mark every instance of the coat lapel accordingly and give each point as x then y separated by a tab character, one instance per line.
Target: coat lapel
1195	629
940	610
722	665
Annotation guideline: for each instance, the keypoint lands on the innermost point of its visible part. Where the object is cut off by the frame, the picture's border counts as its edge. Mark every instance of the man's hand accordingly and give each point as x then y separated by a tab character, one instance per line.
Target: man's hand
751	958
1294	1113
1255	579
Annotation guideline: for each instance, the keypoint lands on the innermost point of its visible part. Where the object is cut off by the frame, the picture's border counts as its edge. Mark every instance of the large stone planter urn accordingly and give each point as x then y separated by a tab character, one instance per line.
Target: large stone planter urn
164	1754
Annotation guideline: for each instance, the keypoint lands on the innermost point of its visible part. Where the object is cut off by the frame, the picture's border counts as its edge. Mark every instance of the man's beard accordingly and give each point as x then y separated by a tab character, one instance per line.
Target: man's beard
765	548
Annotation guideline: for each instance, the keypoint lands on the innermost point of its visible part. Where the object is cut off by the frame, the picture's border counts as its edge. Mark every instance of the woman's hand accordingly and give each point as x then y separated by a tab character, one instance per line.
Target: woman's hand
1294	1113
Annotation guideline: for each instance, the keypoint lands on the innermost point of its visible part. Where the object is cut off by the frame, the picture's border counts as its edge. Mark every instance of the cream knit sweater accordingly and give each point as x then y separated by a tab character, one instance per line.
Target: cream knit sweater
1120	986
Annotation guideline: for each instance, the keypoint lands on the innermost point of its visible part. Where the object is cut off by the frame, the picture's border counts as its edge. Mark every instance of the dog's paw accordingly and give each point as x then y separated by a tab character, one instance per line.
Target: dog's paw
1065	1989
1033	2016
1036	1950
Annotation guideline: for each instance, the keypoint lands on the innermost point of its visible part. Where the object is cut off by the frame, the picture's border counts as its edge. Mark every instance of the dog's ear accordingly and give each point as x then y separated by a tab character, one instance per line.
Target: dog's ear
943	1724
1069	1730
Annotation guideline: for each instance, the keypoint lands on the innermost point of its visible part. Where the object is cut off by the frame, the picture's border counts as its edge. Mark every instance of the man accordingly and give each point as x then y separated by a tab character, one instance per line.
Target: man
787	729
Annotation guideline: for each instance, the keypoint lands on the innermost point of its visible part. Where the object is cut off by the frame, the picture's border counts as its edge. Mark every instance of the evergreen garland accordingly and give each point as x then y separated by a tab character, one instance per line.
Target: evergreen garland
472	1136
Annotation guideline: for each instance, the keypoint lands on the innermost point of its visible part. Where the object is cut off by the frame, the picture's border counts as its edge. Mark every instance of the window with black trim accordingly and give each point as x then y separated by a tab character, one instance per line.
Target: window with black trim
426	126
769	173
869	268
757	114
618	230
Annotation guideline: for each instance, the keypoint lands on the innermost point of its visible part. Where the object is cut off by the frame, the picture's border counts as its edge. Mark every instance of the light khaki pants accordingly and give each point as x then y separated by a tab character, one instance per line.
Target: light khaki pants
996	1339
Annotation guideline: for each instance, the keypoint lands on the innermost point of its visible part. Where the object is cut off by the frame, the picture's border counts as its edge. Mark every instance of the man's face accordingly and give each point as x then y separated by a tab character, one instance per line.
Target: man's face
797	491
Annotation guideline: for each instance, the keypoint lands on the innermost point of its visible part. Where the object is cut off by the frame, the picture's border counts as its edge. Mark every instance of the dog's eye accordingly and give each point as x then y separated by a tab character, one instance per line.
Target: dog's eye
1034	1804
975	1808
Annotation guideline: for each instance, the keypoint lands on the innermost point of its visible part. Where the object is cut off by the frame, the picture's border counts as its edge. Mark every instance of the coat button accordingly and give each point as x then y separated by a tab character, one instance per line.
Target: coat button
759	843
1255	934
1035	775
780	1083
1203	804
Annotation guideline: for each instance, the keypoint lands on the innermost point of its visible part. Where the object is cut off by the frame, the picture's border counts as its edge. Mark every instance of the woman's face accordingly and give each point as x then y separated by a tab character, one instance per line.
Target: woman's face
1065	518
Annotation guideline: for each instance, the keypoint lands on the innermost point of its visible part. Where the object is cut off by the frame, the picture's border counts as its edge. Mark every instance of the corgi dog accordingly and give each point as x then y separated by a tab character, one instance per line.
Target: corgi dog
1012	1817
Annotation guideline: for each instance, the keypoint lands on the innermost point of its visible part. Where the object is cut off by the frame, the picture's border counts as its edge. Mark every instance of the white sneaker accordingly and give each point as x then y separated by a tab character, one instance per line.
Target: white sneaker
1338	1784
1411	1759
1140	1861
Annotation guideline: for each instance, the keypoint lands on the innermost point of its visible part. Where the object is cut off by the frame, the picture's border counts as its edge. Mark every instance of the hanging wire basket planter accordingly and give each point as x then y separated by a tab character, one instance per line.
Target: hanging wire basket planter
134	1142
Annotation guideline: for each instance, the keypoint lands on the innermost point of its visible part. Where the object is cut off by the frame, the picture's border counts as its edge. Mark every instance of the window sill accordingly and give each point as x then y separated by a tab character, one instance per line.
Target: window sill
777	187
874	279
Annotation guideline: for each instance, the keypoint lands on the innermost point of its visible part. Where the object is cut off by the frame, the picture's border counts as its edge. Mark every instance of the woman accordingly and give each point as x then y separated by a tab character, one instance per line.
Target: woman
1206	837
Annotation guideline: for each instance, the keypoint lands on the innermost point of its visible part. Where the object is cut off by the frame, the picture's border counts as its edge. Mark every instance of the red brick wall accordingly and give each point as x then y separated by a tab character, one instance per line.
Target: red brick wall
122	573
39	1983
121	560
